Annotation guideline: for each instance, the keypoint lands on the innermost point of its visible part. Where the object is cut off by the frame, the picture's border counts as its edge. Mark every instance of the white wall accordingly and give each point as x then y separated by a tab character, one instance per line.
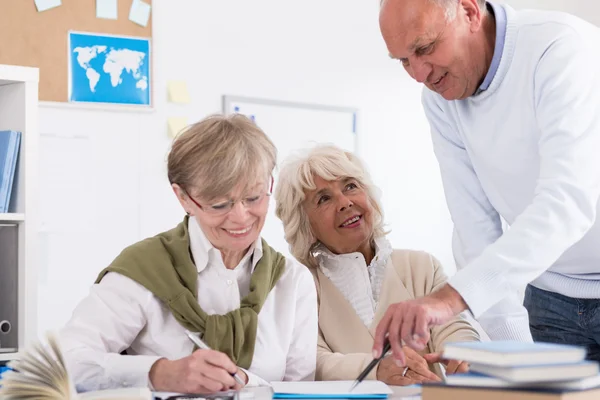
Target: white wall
314	51
326	52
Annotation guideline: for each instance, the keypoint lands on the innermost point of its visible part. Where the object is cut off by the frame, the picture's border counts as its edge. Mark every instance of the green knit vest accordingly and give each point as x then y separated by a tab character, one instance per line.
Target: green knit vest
163	264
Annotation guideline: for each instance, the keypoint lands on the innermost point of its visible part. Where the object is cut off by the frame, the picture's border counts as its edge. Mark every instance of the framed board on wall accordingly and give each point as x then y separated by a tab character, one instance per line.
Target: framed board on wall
295	126
42	39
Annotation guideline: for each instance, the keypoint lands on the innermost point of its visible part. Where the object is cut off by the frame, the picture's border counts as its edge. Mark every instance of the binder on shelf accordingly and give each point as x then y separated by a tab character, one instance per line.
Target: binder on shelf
9	288
9	153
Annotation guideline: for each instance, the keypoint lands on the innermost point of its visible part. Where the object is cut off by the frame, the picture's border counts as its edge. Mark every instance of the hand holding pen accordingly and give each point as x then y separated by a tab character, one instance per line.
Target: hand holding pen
371	365
201	345
204	371
416	369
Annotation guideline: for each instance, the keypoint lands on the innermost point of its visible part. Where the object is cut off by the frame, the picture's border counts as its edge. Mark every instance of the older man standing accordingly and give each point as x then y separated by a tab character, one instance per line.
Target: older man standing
513	100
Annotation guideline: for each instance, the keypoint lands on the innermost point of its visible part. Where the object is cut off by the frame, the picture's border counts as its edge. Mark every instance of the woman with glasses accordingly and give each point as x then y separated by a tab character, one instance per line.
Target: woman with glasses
333	222
211	276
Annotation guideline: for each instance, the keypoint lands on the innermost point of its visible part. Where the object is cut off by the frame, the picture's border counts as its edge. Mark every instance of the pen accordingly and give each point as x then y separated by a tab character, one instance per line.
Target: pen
203	346
371	365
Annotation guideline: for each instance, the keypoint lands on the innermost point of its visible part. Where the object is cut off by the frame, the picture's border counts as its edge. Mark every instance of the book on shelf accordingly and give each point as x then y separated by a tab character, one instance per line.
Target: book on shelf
512	353
9	153
41	373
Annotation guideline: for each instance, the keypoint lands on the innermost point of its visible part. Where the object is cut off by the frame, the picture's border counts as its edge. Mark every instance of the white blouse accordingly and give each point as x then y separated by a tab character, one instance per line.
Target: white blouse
358	282
120	314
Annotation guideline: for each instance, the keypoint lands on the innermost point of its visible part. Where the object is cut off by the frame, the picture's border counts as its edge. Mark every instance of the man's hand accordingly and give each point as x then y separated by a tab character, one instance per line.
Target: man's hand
418	370
452	366
410	321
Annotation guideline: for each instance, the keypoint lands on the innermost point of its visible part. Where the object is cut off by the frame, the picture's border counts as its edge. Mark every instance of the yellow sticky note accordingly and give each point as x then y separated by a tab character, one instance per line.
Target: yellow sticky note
178	92
176	125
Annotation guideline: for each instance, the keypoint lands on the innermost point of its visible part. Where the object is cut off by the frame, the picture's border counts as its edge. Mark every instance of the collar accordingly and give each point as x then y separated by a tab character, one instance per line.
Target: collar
383	250
204	253
501	21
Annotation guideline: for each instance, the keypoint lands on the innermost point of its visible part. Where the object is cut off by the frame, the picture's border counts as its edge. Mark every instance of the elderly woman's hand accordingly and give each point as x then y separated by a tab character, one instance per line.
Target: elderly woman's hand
452	366
417	370
205	371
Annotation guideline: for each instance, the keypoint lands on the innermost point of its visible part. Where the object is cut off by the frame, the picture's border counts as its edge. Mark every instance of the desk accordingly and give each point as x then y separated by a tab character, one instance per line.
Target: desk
266	393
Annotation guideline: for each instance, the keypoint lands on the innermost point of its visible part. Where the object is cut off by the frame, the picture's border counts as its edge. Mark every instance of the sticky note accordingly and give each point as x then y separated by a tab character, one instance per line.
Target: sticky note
106	9
139	12
43	5
176	125
178	92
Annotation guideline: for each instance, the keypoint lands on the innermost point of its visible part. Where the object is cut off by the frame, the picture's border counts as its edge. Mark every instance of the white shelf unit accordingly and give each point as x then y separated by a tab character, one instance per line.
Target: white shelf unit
19	112
12	217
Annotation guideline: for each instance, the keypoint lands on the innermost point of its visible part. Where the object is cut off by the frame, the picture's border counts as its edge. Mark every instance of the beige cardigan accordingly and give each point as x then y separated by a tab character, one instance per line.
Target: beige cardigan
344	346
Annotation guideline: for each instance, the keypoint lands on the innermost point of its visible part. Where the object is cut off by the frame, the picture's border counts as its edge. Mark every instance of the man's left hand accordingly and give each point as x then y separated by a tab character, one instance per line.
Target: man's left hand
410	321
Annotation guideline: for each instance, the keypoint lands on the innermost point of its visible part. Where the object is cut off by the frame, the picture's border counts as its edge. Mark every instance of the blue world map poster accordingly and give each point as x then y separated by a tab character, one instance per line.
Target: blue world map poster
109	69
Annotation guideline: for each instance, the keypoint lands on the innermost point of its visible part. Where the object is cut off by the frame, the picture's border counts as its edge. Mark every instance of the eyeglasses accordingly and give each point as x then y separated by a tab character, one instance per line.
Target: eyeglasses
225	207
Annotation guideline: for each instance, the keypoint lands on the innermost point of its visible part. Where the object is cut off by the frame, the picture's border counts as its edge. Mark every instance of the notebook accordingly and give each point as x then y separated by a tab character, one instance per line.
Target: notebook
330	390
9	152
474	379
512	353
539	373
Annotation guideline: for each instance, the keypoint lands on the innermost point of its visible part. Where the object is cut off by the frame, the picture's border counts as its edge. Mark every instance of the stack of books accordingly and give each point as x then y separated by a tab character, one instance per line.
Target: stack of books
504	370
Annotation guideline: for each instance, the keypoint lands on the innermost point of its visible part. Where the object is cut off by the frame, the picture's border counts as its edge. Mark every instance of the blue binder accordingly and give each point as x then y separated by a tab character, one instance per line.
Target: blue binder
3	370
9	153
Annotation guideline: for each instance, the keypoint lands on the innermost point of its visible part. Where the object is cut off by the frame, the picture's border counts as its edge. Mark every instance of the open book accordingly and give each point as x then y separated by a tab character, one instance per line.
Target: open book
41	374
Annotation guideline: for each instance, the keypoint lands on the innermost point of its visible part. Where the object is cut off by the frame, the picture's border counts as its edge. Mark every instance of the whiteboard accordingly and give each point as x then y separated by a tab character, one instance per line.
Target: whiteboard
294	126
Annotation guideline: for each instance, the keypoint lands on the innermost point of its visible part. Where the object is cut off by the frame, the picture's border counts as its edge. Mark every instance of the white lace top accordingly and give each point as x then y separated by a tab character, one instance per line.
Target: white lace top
360	284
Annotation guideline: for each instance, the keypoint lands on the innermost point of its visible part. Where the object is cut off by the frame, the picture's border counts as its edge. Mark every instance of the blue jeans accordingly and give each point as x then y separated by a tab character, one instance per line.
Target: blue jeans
560	319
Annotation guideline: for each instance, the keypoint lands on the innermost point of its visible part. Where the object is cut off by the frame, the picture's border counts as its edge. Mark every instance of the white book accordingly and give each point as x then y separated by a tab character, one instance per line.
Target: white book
539	373
474	379
41	373
512	353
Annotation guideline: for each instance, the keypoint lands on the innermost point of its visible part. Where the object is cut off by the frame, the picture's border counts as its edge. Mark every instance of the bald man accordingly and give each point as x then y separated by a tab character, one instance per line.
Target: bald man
513	101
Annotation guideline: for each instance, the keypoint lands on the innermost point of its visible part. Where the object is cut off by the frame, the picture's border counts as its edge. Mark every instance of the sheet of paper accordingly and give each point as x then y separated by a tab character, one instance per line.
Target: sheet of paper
178	92
106	9
43	5
176	125
139	12
330	388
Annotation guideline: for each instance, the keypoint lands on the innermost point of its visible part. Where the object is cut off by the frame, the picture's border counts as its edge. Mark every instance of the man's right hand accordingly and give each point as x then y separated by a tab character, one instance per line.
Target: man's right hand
418	370
205	371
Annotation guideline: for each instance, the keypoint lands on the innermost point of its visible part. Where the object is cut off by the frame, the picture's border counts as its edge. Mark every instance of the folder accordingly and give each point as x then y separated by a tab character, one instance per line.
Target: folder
330	390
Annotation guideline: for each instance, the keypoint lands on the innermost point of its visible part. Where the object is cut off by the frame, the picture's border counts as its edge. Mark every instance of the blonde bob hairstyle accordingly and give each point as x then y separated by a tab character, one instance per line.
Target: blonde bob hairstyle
212	157
297	176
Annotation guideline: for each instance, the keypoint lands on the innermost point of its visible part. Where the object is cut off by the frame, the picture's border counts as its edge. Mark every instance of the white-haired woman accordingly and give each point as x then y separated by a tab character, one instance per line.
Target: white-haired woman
212	274
333	222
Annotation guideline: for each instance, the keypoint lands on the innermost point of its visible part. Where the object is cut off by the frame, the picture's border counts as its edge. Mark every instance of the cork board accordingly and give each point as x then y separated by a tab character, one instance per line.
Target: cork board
40	39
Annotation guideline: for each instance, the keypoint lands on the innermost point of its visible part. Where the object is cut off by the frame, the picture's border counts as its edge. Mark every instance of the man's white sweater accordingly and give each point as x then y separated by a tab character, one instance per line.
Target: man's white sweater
526	150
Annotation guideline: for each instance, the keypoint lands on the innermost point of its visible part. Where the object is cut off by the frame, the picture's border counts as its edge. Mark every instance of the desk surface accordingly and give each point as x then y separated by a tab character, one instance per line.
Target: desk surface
266	393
